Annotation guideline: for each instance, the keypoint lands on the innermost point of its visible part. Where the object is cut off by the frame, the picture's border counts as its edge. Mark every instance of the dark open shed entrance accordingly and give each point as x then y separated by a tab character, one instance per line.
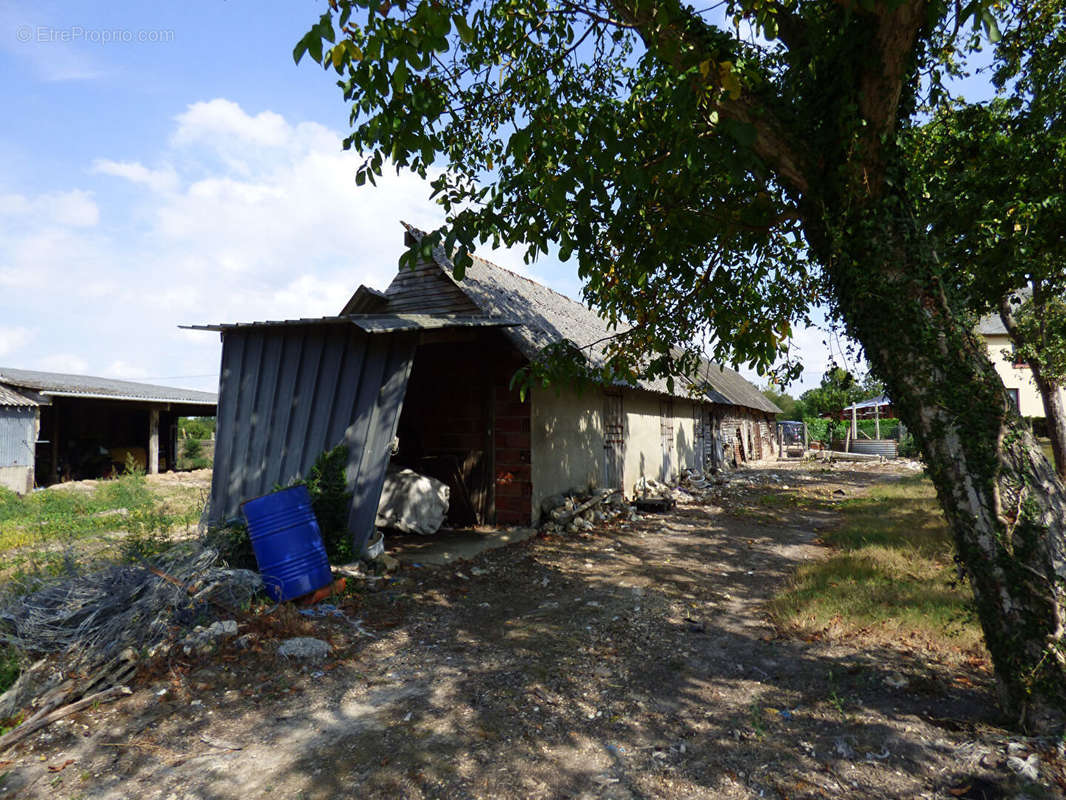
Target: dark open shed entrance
81	438
458	424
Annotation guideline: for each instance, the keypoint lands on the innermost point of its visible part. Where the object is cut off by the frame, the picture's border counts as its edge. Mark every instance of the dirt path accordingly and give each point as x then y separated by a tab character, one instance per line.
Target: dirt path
633	662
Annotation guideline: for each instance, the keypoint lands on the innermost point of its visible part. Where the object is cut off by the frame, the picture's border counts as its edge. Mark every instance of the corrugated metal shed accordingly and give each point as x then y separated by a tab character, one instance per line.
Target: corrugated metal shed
545	317
18	432
63	385
291	390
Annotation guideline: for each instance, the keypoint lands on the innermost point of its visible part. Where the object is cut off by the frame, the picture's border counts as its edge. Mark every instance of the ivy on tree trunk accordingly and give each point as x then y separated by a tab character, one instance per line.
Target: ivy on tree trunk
1005	506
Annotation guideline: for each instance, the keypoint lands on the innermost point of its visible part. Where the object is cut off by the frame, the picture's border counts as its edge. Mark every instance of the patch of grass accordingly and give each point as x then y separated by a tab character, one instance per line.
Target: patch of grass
891	578
34	528
9	668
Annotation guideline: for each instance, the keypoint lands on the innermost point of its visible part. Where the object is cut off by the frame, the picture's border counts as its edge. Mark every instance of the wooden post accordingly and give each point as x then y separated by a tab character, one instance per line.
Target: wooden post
153	441
55	440
806	442
854	422
877	419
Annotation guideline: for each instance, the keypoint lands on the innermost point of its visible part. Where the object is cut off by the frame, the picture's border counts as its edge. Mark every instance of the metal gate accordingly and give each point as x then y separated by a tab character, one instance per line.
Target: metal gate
613	440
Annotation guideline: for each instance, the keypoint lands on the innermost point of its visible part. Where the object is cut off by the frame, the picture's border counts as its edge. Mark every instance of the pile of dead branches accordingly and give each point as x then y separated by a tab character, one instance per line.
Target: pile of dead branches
92	615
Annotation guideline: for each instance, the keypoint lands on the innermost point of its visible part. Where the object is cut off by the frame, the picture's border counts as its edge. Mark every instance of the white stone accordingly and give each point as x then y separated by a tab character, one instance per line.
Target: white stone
412	503
304	647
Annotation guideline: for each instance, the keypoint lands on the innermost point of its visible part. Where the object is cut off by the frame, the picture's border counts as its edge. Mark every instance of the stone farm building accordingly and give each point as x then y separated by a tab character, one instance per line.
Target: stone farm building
426	367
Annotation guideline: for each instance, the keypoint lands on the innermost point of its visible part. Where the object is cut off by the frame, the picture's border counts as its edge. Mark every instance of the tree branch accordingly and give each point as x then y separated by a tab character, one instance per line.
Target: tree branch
680	38
881	85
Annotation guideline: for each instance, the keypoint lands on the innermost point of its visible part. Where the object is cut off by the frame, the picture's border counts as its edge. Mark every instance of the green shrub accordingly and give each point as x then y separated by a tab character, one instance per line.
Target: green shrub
824	430
233	545
908	448
889	428
9	667
149	534
191	449
196	427
331	501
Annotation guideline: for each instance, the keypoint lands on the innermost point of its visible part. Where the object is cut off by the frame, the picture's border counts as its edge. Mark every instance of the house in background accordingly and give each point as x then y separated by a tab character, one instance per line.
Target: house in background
59	427
419	376
1017	377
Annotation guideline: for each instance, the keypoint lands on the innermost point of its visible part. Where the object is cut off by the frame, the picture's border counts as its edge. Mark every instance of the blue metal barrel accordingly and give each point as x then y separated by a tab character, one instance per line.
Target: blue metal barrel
287	543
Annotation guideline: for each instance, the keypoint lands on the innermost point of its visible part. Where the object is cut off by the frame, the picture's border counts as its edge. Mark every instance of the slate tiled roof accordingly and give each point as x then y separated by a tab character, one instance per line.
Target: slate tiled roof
992	324
547	316
55	383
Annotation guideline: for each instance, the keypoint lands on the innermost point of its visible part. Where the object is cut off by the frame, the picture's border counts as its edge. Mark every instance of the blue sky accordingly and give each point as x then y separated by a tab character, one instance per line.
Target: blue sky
167	163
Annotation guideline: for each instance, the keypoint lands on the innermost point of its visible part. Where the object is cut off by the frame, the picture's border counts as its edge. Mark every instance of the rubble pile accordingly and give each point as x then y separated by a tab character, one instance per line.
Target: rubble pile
576	511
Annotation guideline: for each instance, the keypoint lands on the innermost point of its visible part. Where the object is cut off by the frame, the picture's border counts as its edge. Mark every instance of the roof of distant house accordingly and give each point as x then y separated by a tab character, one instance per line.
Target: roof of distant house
56	384
992	324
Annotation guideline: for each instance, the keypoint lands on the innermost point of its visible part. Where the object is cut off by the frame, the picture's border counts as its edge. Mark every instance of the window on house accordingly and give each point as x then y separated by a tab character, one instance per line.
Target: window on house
1017	360
1013	395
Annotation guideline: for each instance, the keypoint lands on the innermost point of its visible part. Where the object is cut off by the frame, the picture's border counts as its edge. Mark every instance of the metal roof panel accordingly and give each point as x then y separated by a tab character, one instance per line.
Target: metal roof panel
66	385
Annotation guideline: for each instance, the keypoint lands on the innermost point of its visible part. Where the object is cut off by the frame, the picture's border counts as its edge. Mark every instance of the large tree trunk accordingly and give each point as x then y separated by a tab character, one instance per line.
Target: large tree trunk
1050	391
1004	504
1055	412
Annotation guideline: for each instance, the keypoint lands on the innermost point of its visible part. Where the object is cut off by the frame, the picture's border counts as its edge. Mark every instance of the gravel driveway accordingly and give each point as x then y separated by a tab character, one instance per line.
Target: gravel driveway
632	662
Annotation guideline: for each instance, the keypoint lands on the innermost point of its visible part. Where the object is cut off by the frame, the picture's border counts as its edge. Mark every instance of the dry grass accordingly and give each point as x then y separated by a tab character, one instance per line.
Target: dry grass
91	519
890	579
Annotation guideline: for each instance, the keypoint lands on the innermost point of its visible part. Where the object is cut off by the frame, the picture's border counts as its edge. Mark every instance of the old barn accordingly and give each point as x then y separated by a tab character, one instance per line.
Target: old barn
419	376
55	426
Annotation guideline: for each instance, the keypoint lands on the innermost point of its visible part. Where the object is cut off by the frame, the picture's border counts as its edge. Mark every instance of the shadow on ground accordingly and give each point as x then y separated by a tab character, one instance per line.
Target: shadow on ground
636	662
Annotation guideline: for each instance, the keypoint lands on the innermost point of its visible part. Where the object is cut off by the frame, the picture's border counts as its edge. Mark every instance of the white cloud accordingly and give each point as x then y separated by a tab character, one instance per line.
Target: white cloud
13	339
46	42
158	180
63	362
75	208
121	369
241	216
219	120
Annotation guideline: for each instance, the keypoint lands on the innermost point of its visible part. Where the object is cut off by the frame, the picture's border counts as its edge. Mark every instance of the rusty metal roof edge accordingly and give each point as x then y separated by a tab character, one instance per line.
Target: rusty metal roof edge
174	401
372	323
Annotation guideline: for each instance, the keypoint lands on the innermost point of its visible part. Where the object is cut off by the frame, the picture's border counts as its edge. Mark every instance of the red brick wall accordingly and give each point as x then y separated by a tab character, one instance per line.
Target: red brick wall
513	479
446	407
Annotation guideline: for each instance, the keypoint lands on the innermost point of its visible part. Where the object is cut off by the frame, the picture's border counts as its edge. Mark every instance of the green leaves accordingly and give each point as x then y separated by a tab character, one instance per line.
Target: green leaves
311	43
620	147
466	33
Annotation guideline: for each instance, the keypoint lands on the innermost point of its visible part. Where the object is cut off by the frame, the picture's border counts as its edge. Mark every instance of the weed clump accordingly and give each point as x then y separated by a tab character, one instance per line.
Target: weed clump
331	501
